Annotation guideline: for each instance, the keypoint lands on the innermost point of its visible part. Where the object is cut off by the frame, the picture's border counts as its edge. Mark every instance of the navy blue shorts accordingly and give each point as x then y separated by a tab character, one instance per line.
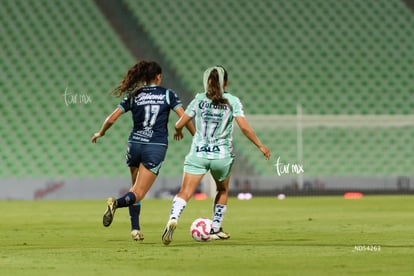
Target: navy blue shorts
150	155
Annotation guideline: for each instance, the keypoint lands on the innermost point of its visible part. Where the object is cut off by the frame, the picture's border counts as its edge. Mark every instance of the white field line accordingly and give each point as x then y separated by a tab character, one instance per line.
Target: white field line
347	121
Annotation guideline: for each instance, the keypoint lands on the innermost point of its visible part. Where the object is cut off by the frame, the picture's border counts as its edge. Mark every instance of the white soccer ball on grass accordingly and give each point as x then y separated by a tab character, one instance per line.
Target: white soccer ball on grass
200	229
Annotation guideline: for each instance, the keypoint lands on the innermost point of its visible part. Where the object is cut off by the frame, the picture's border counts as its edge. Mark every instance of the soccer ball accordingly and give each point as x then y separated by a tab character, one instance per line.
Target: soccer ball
200	229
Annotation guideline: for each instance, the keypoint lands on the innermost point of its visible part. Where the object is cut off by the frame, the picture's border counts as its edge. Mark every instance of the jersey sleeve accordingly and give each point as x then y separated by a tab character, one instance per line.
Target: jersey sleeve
237	107
125	105
173	99
191	108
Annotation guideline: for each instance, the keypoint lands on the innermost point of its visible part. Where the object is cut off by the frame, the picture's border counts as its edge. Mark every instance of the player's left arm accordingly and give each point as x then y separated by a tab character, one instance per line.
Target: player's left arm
251	135
109	121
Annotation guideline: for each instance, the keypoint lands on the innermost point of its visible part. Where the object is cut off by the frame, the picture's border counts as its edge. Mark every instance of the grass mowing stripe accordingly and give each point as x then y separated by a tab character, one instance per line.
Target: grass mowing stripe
296	236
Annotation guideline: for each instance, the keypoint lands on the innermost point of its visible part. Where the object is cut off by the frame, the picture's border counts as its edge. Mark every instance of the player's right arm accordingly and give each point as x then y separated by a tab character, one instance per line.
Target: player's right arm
183	121
249	133
109	121
189	125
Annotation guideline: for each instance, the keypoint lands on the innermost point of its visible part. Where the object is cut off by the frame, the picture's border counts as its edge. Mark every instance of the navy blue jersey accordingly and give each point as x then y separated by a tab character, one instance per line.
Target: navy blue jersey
150	112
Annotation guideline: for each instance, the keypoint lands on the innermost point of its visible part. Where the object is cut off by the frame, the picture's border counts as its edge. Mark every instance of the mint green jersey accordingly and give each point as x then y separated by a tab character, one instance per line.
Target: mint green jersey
214	126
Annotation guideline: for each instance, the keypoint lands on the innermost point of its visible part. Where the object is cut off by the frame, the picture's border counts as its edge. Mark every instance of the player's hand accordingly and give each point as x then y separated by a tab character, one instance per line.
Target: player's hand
178	135
265	151
96	136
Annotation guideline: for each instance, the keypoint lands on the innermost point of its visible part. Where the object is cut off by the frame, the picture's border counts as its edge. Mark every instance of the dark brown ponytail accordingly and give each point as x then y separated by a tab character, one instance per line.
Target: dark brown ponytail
137	76
214	90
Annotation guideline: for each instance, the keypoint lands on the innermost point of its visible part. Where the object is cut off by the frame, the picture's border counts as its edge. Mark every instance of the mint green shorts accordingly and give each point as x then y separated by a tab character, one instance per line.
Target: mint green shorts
220	168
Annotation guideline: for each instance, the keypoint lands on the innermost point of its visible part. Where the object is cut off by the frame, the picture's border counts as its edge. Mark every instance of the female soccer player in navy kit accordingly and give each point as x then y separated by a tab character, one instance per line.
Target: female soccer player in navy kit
211	149
150	105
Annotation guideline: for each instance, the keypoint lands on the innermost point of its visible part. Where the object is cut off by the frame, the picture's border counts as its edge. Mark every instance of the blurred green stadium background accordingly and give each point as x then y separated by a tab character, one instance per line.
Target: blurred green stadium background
347	64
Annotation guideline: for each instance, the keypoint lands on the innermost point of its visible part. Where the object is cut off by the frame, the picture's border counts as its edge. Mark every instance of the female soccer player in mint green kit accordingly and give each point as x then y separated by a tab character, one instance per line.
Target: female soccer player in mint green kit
150	105
211	149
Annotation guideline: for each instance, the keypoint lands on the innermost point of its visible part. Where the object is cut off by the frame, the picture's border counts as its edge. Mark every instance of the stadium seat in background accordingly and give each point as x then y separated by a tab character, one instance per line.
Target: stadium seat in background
50	47
334	58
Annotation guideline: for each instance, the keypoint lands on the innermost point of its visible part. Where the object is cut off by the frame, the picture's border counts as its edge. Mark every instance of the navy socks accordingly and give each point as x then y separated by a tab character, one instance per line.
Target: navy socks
127	200
134	212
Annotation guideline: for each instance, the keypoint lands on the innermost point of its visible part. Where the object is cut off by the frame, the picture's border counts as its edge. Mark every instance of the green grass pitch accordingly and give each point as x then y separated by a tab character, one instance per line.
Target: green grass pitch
296	236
